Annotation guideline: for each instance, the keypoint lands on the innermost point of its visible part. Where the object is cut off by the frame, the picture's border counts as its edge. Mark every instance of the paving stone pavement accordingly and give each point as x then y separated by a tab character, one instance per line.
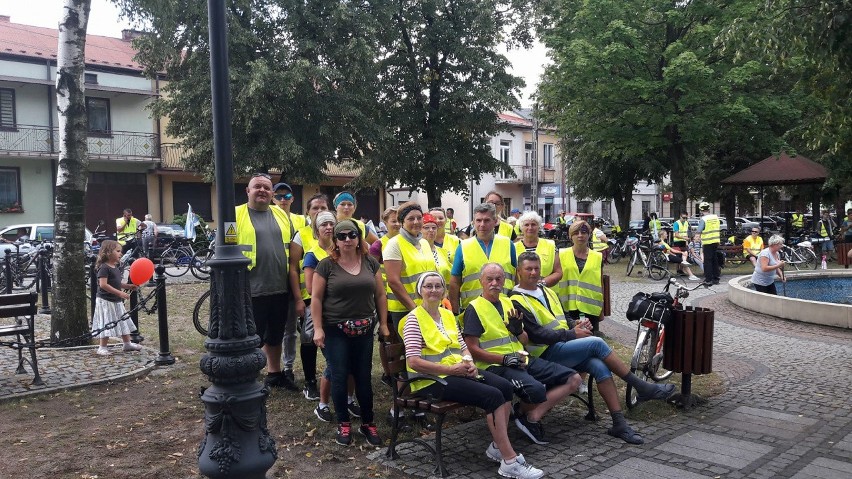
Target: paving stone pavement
786	412
67	368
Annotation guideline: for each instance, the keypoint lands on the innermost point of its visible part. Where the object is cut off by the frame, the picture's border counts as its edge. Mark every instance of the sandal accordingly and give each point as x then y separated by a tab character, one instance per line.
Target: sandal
627	435
664	391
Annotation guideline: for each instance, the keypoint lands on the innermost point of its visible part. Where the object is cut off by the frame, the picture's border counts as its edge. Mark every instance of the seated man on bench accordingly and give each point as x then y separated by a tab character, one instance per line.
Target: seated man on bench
753	245
677	256
552	338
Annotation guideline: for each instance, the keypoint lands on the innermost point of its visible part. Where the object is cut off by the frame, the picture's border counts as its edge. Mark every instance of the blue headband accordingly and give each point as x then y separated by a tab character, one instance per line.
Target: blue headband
343	196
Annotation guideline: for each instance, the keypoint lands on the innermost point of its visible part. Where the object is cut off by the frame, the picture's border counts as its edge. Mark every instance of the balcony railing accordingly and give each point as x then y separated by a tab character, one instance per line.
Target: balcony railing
30	140
524	175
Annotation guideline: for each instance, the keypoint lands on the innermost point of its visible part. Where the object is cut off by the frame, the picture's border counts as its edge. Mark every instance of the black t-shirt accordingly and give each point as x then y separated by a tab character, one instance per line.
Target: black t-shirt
113	276
348	296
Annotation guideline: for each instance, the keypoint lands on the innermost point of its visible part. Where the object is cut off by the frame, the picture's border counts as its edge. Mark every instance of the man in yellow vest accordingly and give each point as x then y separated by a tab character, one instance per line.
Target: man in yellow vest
126	227
826	230
266	229
797	220
710	228
753	245
493	332
303	242
474	252
502	227
283	199
680	230
551	337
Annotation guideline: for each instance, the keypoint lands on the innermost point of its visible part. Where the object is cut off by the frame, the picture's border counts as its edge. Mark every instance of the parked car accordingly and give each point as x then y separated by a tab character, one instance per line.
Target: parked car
766	222
744	225
635	226
33	232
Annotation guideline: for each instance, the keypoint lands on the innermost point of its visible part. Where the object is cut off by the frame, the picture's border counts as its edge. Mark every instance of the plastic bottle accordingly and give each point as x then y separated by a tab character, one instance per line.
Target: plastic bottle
823	266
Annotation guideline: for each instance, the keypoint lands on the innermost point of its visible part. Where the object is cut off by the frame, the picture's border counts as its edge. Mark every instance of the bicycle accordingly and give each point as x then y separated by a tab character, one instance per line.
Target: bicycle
178	258
618	249
201	313
23	265
647	358
199	266
800	257
653	259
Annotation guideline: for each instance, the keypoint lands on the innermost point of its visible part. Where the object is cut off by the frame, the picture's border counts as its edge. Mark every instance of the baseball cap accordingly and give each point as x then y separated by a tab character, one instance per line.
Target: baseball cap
278	186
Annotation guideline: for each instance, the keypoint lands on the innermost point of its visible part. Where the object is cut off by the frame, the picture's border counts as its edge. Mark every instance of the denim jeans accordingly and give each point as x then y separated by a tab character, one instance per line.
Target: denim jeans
584	355
350	355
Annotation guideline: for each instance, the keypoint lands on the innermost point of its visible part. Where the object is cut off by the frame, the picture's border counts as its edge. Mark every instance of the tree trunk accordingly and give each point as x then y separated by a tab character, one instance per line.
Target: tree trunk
623	206
69	316
676	160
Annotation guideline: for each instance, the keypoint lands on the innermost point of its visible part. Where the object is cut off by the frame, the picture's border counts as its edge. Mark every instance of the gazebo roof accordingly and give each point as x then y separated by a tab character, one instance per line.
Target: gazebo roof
780	170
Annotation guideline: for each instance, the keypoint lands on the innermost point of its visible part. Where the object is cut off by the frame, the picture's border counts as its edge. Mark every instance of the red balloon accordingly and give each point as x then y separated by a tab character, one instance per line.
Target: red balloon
141	271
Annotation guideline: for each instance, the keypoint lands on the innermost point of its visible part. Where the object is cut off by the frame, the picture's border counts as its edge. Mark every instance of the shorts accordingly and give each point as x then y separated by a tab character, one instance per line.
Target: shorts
531	384
270	317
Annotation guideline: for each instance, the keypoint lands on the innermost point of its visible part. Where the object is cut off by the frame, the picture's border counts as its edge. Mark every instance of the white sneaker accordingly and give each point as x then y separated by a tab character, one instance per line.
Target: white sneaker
694	278
493	453
519	469
583	389
685	262
132	347
103	351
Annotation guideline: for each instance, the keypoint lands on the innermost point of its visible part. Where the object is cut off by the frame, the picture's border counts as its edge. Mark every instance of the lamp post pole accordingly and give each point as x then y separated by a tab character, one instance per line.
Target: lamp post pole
236	442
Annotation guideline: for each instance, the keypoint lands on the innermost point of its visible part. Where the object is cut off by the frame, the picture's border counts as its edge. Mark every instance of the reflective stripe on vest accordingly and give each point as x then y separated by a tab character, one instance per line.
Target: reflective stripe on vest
547	319
546	251
581	291
414	262
710	235
495	338
798	220
437	346
474	259
246	234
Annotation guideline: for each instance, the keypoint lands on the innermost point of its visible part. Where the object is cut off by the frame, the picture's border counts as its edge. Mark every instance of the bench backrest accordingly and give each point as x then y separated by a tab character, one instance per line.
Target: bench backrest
393	358
18	304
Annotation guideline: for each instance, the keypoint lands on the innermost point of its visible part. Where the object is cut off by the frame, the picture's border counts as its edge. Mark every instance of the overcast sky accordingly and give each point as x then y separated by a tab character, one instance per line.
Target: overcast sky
104	20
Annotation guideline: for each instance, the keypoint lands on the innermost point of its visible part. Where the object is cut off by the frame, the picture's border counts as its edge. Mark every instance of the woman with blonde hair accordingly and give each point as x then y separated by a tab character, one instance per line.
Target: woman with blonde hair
581	288
551	266
431	228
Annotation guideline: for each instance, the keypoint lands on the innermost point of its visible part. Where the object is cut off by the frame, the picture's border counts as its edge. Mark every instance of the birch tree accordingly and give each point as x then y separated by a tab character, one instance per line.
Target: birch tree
69	318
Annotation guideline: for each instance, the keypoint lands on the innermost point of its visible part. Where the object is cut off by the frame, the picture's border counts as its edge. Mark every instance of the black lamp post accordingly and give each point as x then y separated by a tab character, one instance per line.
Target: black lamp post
236	442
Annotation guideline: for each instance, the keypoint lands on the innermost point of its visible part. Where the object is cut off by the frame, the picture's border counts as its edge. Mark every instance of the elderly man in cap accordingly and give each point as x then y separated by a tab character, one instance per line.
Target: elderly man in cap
266	229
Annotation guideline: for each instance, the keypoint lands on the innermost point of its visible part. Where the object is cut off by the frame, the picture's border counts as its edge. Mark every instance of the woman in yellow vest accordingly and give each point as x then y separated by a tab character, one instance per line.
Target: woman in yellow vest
344	205
444	239
581	288
442	258
433	345
406	256
551	266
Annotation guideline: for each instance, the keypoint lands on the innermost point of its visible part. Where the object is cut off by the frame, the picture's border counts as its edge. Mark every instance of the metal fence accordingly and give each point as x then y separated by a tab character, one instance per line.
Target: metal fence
31	139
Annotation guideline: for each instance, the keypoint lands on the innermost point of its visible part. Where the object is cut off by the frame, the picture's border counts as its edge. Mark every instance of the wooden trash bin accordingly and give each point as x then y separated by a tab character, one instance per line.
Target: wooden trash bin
607	306
842	250
688	347
689	341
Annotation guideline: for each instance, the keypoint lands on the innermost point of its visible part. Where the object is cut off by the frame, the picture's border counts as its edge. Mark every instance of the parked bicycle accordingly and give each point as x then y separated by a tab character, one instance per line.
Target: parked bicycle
201	313
618	248
199	266
652	311
651	257
799	254
24	265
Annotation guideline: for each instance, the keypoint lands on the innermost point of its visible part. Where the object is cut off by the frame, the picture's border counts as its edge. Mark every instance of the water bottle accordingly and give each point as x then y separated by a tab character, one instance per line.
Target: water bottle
823	266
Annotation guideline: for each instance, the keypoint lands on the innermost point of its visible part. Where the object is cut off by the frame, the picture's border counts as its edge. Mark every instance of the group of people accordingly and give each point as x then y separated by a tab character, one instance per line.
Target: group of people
495	322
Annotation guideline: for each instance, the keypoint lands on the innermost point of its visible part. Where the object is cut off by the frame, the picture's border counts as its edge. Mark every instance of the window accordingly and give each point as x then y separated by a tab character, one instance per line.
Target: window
97	109
506	154
606	209
195	194
646	209
7	108
90	78
547	155
584	207
10	190
528	153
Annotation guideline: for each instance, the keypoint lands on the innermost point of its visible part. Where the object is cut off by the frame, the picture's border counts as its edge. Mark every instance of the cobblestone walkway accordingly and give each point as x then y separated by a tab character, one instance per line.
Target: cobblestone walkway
786	412
68	367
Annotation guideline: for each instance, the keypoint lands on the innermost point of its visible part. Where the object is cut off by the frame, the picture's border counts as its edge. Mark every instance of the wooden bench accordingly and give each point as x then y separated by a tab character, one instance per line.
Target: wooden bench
733	253
21	308
392	355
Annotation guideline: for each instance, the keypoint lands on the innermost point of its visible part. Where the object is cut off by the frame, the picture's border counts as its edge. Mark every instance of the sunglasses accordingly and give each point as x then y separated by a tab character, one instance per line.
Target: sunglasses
344	236
756	232
285	196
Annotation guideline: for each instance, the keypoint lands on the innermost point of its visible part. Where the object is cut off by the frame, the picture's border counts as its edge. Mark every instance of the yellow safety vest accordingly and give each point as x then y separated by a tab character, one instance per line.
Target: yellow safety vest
306	233
682	233
710	235
752	247
475	258
598	245
130	227
496	338
504	229
384	240
654	226
822	231
438	347
414	263
552	320
451	244
448	227
546	250
443	264
581	291
246	234
798	220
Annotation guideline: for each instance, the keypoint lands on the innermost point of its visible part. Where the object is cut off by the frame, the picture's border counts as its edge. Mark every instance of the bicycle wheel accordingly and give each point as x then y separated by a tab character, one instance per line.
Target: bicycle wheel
176	262
201	313
809	259
657	264
655	368
631	263
641	356
615	255
198	266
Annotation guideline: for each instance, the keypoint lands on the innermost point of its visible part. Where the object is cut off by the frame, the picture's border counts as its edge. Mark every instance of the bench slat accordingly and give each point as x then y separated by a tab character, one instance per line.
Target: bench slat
19	310
18	298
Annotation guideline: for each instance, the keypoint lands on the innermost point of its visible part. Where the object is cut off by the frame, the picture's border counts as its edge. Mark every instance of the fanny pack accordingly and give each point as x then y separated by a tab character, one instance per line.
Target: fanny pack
357	327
